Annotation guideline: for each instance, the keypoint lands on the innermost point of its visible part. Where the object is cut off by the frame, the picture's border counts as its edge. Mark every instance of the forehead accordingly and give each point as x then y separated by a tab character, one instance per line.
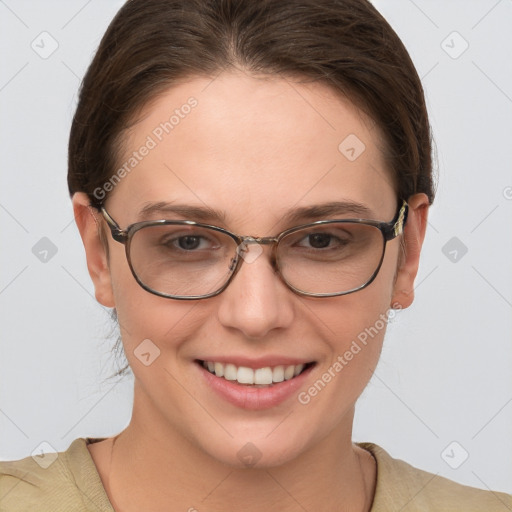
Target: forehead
253	147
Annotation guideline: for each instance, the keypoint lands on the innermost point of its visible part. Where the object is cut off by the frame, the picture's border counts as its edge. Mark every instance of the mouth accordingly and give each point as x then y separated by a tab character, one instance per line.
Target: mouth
265	377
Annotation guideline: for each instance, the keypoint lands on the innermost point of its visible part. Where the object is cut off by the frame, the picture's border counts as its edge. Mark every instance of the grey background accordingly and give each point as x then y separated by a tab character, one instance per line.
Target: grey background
445	372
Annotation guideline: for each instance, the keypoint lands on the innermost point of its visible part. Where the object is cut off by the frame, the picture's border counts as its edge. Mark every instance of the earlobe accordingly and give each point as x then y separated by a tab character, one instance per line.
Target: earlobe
413	236
95	251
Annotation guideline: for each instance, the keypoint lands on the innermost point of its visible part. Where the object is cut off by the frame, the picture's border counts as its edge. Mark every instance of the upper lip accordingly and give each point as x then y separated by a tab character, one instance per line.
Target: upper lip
257	362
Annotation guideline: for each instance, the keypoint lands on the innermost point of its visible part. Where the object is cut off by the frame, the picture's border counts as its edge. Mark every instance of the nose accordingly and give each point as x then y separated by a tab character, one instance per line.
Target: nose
256	300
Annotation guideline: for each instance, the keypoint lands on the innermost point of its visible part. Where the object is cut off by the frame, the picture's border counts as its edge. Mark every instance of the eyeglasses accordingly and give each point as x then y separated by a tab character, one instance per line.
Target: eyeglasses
183	259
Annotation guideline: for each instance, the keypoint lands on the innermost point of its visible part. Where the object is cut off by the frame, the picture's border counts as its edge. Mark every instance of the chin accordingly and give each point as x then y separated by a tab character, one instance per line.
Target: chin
258	451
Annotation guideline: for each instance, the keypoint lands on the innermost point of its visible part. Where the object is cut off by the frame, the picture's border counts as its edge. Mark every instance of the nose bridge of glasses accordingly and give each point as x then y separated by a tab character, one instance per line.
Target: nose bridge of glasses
250	255
264	240
243	247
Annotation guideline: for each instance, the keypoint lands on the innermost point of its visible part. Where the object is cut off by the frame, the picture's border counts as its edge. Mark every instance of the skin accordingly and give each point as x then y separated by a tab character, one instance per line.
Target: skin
255	148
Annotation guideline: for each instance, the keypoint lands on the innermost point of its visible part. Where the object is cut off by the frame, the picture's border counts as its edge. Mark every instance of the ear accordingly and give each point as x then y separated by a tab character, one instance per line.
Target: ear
88	223
414	234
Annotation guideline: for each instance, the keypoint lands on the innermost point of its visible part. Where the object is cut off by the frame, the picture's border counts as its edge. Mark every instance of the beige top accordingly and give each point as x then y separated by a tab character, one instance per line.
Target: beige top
72	484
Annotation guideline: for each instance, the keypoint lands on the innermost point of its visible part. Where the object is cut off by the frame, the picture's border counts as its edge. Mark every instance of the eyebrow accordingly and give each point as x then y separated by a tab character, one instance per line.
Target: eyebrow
331	209
304	213
198	213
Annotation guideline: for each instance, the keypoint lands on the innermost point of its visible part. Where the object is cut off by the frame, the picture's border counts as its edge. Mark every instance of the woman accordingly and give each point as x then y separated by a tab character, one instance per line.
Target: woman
251	181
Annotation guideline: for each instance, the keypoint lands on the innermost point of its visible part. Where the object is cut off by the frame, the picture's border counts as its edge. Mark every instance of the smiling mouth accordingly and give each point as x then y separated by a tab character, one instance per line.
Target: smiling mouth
259	377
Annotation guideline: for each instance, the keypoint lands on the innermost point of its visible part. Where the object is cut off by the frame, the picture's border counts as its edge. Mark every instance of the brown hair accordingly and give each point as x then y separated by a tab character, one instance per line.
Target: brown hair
152	44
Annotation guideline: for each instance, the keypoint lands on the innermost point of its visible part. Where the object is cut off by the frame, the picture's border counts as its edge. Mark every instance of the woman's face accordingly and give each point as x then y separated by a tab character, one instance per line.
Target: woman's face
253	150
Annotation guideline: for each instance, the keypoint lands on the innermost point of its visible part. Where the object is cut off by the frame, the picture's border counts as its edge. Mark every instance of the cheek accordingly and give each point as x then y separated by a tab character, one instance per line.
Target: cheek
353	328
347	318
143	315
354	331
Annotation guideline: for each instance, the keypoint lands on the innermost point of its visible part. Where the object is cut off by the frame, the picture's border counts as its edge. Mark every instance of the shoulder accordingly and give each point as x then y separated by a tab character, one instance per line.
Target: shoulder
401	486
62	481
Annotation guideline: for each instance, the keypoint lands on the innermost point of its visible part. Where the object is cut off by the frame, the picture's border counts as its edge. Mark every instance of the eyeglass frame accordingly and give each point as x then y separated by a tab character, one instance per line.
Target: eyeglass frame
390	230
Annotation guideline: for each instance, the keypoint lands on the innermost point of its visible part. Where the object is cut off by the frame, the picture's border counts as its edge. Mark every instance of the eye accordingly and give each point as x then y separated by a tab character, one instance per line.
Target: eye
191	242
188	242
328	239
319	240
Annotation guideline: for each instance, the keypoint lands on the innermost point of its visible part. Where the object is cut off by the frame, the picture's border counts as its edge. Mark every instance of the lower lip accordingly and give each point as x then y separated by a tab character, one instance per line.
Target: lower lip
253	398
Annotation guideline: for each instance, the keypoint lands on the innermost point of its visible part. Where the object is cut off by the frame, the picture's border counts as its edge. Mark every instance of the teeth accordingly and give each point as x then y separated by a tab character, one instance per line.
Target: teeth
245	375
289	372
278	374
219	369
230	372
263	375
259	377
298	369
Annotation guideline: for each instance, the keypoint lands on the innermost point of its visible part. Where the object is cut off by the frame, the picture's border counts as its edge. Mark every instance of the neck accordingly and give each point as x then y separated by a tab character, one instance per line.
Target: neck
148	470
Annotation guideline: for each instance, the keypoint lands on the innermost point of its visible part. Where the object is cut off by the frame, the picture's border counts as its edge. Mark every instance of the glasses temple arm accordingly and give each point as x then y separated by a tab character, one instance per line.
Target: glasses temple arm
396	226
117	233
